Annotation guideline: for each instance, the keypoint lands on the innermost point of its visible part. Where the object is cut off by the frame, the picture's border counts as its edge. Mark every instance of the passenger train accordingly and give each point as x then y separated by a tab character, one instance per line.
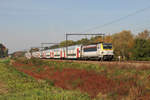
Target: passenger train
99	51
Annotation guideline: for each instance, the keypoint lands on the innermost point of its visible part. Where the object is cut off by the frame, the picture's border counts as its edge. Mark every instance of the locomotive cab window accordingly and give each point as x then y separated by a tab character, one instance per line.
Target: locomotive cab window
107	45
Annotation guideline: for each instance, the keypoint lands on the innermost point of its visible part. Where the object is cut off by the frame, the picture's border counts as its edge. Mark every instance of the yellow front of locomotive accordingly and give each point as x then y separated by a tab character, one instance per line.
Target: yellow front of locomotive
105	51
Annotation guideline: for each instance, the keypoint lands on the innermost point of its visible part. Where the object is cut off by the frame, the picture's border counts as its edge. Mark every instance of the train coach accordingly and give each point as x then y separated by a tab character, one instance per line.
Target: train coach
99	51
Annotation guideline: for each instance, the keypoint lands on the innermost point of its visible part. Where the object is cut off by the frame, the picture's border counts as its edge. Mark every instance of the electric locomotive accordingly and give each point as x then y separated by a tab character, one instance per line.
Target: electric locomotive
99	51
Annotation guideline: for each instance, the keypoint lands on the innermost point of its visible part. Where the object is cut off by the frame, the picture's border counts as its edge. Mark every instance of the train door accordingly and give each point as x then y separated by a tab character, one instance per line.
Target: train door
99	50
81	51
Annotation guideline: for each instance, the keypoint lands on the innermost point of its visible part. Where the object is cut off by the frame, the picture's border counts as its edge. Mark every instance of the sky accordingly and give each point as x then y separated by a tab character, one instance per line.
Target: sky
27	23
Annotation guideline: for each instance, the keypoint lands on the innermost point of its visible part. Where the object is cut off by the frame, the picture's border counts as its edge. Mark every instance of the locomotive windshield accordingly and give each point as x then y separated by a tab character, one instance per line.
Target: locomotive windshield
107	45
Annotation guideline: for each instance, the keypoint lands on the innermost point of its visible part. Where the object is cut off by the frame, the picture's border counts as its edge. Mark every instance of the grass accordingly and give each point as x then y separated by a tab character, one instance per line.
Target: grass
136	79
19	86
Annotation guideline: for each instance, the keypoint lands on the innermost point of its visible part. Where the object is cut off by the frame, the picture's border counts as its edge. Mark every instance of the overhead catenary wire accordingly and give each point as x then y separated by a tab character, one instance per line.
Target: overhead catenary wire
114	21
117	20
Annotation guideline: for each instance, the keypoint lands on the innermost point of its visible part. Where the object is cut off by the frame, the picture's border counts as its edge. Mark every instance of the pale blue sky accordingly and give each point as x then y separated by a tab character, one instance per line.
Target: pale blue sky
26	23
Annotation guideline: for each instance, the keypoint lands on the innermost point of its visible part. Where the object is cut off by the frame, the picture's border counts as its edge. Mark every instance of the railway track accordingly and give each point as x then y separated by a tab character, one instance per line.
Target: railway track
131	63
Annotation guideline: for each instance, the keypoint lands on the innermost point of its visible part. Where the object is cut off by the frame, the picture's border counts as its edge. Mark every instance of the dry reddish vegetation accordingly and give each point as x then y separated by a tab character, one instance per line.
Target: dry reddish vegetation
86	81
68	78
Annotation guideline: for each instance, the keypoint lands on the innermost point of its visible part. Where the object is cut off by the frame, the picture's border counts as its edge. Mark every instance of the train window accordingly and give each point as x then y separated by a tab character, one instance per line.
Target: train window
71	54
90	49
56	55
107	46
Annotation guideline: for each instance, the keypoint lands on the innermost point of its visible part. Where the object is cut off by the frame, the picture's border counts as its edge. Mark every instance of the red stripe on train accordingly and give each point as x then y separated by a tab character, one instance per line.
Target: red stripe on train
61	54
77	52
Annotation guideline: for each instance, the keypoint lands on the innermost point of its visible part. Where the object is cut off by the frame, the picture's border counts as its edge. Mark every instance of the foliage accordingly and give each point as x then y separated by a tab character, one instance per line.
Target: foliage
141	49
122	43
83	41
3	51
20	86
144	35
110	81
69	43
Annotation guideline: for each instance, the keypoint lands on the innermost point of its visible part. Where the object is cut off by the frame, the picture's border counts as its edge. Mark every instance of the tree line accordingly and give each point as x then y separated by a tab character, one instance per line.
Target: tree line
126	44
130	46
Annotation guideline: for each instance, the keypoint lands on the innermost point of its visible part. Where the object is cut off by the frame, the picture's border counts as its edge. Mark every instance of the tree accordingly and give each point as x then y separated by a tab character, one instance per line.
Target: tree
3	51
96	39
144	35
141	49
83	41
123	43
69	43
108	39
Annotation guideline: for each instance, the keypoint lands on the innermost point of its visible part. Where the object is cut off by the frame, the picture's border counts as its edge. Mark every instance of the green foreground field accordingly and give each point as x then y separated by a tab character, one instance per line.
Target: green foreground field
15	85
128	82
